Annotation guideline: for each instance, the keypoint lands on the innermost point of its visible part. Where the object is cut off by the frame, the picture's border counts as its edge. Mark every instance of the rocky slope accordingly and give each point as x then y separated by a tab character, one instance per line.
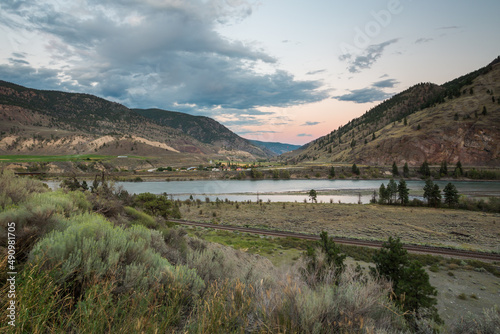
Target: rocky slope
204	129
459	120
51	122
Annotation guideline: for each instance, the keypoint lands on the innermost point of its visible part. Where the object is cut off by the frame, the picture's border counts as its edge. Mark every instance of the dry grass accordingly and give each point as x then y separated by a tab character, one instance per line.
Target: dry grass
440	227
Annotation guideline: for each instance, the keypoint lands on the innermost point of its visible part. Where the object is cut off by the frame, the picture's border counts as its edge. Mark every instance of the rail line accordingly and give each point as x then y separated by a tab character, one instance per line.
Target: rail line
347	241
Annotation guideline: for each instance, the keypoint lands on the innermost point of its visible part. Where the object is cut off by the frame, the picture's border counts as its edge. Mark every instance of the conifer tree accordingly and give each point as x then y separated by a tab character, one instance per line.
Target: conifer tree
403	193
410	282
406	170
425	170
450	195
395	171
392	190
383	195
443	170
458	169
313	195
332	172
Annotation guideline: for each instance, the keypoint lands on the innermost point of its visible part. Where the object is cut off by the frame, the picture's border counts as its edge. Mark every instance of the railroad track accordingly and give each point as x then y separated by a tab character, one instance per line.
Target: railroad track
347	241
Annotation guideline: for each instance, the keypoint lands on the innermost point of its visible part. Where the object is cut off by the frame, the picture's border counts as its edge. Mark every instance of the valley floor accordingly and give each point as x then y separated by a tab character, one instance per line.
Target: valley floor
418	225
462	290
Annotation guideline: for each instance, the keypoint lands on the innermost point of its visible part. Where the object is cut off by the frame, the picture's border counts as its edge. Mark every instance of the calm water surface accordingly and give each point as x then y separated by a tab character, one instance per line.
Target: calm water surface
346	191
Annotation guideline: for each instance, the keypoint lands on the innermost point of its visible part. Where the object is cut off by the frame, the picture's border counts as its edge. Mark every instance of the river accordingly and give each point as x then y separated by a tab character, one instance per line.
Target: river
345	191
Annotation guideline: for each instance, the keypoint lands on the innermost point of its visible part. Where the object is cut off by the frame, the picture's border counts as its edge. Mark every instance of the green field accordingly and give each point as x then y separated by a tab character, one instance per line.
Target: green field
52	158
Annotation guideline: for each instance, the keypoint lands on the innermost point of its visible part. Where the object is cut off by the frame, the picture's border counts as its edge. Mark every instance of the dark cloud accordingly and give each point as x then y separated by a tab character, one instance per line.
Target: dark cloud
388	83
364	95
310	123
367	58
423	40
165	54
18	61
41	78
19	55
316	72
304	135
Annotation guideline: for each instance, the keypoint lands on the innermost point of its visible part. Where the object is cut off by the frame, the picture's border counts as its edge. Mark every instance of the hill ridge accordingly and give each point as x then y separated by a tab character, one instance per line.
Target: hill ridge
369	139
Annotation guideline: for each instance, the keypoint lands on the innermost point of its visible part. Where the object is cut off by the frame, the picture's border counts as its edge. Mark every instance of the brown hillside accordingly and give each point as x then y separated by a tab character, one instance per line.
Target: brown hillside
51	122
453	128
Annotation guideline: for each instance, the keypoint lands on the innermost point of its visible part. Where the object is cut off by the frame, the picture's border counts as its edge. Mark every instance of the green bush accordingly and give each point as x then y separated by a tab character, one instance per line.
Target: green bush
141	218
91	249
14	190
45	307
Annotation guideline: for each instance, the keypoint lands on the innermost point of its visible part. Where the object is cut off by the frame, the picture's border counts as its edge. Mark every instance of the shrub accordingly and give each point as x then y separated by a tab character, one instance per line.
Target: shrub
155	205
487	323
41	213
91	249
141	218
14	190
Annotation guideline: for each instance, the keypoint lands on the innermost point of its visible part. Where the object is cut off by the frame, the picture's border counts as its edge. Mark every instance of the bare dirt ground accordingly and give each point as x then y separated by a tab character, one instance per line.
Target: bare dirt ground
428	226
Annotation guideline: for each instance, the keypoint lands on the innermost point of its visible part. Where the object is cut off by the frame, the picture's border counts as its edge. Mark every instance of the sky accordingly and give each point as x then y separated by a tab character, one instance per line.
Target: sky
271	70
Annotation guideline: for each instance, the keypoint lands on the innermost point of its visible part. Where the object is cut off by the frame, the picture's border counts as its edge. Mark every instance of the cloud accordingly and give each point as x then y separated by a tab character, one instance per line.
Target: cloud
368	57
448	28
388	83
316	72
154	53
18	61
34	77
310	123
364	95
304	135
423	40
247	132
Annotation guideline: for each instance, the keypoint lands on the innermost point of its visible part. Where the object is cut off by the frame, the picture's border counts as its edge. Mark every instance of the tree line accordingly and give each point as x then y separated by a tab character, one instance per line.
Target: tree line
398	193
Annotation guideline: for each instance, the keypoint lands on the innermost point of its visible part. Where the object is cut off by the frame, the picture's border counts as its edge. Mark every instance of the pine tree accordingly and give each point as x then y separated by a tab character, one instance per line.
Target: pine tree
443	170
436	196
383	195
390	261
332	172
313	195
406	170
355	169
418	292
432	193
429	185
425	170
403	193
450	195
409	280
395	171
392	189
458	169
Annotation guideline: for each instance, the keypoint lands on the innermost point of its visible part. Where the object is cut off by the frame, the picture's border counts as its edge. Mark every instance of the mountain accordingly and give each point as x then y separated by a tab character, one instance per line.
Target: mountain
204	129
277	148
456	121
53	122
